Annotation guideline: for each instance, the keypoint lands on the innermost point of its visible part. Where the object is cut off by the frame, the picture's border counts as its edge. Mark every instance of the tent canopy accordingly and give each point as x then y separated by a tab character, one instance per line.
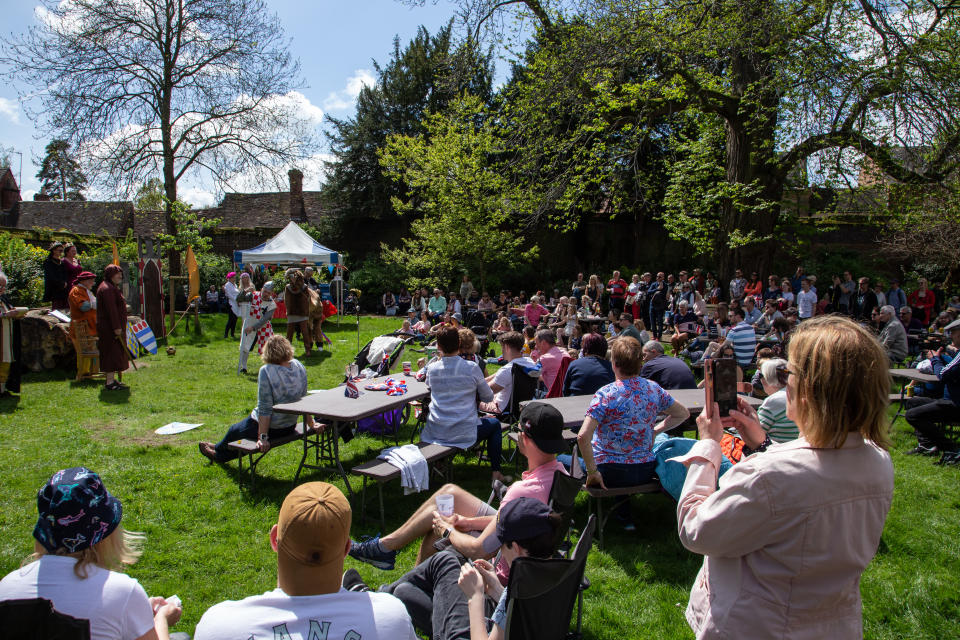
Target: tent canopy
293	245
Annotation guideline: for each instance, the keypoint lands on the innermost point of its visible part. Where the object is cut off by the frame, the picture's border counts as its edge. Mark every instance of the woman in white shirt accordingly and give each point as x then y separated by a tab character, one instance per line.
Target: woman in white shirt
79	544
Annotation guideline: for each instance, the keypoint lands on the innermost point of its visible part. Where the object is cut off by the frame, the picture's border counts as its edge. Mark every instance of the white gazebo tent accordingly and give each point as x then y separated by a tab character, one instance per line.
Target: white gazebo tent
294	247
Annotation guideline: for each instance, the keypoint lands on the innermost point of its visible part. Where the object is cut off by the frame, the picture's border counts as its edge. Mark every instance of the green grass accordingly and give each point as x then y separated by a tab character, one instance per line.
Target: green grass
207	535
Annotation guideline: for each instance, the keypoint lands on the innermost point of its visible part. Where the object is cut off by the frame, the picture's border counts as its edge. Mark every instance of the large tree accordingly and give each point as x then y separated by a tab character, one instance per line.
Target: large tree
832	82
166	87
60	175
425	75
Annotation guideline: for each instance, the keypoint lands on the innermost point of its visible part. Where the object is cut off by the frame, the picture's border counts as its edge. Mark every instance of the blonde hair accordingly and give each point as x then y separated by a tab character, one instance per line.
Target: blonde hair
627	354
468	341
277	350
842	382
120	548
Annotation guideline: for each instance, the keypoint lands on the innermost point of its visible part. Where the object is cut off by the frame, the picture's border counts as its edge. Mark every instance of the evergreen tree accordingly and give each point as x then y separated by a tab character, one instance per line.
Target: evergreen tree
60	175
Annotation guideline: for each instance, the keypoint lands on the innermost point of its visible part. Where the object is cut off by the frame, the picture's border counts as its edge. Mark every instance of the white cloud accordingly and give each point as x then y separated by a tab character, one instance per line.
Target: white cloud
197	197
27	194
10	109
345	98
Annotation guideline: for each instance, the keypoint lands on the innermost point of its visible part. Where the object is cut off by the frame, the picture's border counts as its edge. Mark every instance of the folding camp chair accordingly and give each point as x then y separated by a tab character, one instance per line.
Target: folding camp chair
563	496
35	618
541	594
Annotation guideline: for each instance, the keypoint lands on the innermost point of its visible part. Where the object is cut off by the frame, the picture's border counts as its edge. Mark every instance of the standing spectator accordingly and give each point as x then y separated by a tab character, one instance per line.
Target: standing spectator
878	291
9	342
896	296
742	338
922	300
389	303
71	266
698	281
754	287
54	280
769	534
437	305
893	336
595	290
797	279
403	301
579	287
806	300
466	287
643	300
657	293
786	292
213	299
111	328
79	545
737	287
847	288
713	290
863	302
309	280
772	292
230	290
590	371
633	294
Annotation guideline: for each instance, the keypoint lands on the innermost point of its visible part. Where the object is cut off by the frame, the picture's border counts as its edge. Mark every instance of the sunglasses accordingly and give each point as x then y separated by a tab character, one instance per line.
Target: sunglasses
783	374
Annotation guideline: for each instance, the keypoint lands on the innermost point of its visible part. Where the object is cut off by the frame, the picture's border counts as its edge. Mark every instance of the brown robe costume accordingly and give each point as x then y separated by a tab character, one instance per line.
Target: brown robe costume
111	315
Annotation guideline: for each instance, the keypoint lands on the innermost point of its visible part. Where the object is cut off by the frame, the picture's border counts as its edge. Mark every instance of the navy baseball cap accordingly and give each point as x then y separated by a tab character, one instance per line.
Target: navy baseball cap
75	511
519	519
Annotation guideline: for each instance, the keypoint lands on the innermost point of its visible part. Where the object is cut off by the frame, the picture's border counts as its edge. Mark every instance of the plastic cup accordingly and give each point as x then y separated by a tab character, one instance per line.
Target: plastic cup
445	504
406	368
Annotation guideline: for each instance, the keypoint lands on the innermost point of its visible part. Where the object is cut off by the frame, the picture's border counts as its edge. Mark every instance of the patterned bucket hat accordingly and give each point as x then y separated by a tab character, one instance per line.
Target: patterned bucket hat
75	511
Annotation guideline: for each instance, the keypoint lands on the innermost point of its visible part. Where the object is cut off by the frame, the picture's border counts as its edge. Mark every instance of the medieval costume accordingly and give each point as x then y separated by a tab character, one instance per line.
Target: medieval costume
9	348
83	325
55	287
296	297
256	324
112	327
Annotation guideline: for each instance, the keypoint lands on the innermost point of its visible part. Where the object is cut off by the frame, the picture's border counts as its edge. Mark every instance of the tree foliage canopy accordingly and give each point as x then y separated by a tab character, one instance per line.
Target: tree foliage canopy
60	175
468	207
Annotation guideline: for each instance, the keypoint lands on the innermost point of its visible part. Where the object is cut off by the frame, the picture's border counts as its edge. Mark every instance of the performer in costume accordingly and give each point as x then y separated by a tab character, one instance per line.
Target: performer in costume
111	328
296	297
256	323
233	310
83	322
9	342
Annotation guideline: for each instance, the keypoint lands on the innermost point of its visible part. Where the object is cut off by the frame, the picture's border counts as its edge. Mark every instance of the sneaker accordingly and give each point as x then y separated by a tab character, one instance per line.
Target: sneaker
922	450
369	551
353	582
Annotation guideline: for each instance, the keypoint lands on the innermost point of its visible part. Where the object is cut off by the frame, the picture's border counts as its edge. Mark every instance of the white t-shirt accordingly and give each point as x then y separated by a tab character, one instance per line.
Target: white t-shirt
504	378
115	604
806	301
346	615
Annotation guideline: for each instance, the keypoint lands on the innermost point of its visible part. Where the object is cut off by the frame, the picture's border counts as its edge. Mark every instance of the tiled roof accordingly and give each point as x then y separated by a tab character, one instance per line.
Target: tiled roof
83	217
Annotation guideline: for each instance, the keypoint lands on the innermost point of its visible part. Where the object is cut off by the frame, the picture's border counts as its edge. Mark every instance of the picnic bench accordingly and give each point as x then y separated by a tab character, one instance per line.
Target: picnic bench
248	448
622	494
382	472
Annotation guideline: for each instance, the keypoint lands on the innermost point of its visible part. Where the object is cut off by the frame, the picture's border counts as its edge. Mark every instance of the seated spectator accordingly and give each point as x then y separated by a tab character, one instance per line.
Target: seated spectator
616	438
281	379
750	312
486	306
311	539
893	336
423	325
406	328
878	292
742	338
549	356
763	354
530	342
576	338
699	305
926	415
685	322
454	305
612	325
437	305
940	324
770	313
469	347
403	301
441	610
642	330
776	338
501	382
79	547
666	371
772	292
389	303
500	326
786	293
772	527
540	438
910	322
627	329
534	311
592	370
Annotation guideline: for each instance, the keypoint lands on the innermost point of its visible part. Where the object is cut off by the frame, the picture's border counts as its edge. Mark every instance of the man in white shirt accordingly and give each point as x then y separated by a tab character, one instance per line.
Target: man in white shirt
501	382
230	291
311	540
806	300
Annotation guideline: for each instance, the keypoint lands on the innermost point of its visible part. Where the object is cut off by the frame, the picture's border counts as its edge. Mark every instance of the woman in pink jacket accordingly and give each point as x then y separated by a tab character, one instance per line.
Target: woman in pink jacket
788	532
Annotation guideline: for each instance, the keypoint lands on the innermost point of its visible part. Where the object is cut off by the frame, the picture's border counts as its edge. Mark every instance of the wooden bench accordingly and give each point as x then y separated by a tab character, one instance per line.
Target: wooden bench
248	448
621	493
382	472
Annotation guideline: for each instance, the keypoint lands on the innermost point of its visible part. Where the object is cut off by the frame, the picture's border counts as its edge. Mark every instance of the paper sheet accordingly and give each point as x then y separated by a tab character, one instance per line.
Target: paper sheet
176	427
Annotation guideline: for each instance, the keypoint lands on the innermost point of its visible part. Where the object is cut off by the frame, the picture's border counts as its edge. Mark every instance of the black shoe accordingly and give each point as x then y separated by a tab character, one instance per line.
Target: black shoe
949	458
922	450
353	582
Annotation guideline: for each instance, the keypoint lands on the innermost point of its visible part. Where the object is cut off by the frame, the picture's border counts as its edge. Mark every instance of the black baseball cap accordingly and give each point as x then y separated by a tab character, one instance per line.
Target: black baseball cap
543	424
519	519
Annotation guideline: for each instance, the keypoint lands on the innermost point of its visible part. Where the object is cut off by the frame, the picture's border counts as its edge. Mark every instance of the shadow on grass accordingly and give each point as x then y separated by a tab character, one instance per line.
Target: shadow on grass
9	404
120	396
86	383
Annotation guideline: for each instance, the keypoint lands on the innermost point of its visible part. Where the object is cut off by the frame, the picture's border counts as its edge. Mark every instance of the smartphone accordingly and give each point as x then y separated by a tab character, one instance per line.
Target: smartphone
720	384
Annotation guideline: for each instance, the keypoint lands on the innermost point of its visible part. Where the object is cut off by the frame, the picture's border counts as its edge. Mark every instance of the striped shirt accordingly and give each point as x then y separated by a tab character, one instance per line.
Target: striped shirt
774	420
744	341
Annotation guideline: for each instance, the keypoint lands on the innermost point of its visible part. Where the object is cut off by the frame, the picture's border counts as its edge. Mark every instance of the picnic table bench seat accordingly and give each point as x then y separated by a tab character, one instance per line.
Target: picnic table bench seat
621	494
248	448
382	472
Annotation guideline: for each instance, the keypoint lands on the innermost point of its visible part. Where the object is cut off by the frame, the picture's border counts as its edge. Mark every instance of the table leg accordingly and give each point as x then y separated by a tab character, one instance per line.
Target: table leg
336	459
903	394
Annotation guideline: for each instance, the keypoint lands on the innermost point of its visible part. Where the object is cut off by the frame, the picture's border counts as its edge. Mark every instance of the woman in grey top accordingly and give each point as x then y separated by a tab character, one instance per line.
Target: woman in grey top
281	379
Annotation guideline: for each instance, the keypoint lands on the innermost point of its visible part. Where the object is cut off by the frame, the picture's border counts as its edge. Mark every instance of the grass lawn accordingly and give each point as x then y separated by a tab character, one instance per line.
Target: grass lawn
207	535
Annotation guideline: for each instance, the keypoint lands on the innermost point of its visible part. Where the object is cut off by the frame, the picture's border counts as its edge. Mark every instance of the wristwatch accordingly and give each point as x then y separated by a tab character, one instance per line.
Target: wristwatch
264	437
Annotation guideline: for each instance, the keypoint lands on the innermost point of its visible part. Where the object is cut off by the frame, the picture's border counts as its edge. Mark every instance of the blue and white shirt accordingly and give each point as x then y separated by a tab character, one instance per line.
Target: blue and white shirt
455	384
744	341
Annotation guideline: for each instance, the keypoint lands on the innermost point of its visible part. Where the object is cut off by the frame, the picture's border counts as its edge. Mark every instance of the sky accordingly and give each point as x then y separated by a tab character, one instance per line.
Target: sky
335	41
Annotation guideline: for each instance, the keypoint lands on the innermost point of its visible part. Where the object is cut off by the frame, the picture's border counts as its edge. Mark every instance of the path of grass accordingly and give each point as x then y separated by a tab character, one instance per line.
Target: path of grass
207	536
